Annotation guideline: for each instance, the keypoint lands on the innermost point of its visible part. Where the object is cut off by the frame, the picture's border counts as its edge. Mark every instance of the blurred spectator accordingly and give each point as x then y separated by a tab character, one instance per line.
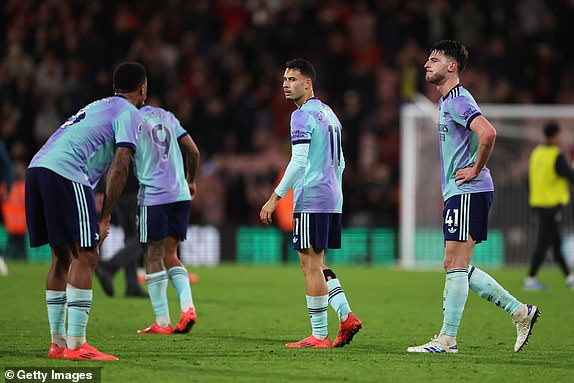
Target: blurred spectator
6	180
14	212
216	64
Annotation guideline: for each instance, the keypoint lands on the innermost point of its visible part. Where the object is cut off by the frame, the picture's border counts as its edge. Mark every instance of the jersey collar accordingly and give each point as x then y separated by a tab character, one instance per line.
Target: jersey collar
454	92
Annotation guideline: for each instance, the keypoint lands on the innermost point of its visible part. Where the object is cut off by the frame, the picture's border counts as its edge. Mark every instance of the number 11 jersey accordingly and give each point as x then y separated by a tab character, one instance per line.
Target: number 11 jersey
319	189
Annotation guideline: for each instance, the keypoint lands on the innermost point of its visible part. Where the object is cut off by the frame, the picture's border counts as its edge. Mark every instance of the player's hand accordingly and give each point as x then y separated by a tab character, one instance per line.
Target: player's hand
465	175
268	209
192	189
104	229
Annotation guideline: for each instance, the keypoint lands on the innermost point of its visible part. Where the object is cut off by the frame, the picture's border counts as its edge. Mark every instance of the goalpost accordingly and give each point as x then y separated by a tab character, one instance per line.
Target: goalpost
511	233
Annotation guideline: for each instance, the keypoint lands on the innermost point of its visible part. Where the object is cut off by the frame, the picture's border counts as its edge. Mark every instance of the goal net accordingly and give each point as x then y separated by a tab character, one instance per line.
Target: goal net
512	235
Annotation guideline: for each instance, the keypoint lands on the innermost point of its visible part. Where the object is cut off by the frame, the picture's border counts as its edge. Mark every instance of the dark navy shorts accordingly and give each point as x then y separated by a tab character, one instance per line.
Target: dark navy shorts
317	230
59	211
159	221
467	214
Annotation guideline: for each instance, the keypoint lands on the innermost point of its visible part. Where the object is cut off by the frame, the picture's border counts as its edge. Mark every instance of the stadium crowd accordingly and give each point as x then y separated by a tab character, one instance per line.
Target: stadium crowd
218	66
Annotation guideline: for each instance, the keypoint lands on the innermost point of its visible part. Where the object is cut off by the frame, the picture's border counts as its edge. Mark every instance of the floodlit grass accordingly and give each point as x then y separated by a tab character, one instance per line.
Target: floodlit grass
247	314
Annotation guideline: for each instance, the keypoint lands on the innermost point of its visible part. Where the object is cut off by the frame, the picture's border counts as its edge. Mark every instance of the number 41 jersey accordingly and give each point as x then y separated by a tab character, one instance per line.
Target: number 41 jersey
319	189
158	161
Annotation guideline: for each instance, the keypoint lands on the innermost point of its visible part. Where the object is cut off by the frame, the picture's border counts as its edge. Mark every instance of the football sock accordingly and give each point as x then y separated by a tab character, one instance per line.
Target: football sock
337	299
79	304
487	288
157	288
317	307
179	279
455	294
56	304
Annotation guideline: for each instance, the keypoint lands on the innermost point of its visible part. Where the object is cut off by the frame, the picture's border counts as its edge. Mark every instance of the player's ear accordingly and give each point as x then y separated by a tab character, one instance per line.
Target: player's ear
452	66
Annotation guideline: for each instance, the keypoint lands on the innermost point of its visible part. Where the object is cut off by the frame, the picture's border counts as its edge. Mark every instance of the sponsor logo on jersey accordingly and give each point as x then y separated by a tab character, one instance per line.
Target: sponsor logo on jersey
469	112
299	134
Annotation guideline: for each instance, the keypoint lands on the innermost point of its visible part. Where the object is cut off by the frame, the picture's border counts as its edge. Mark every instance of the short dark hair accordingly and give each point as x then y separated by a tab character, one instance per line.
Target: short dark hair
128	76
453	49
304	66
551	129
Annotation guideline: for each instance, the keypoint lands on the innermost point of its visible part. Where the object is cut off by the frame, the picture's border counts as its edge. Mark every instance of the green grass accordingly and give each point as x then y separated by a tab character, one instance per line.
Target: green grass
247	314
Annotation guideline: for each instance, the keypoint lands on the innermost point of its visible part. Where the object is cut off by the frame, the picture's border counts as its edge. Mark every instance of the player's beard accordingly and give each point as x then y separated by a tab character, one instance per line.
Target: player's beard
434	78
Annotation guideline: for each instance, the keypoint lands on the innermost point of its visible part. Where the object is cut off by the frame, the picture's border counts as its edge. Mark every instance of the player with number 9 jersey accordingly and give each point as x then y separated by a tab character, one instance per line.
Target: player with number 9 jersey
167	185
159	161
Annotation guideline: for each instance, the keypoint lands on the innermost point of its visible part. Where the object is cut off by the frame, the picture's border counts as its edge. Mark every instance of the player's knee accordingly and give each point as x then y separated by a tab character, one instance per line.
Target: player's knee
329	274
304	264
307	266
62	259
89	257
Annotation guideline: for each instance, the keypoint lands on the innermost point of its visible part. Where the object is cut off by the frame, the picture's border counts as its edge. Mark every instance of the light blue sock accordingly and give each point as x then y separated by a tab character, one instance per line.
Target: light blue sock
56	304
337	299
179	279
317	307
455	294
487	288
157	289
79	304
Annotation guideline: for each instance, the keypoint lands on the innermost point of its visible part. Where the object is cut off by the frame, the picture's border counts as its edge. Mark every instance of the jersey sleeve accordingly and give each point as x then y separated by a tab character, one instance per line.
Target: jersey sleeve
179	130
464	111
301	130
126	128
295	168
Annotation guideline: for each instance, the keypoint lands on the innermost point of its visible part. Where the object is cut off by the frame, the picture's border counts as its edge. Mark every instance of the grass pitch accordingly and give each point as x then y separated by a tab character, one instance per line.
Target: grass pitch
247	314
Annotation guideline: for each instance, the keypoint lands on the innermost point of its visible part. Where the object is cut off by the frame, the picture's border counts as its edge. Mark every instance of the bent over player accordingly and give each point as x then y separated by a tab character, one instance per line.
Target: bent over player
60	205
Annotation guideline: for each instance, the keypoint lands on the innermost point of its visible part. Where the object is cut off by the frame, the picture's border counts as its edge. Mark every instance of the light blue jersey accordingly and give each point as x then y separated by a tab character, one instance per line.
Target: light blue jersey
83	148
319	189
159	162
459	144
